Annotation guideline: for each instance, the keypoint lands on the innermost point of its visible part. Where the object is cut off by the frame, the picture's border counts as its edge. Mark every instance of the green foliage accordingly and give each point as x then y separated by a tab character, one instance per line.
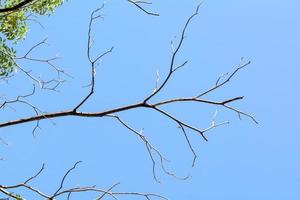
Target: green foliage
16	196
14	27
44	7
7	62
19	197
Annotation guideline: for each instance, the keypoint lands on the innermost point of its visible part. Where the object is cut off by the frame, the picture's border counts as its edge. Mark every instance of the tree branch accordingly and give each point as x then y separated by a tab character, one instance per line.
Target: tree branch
172	67
6	190
156	106
95	15
137	4
16	7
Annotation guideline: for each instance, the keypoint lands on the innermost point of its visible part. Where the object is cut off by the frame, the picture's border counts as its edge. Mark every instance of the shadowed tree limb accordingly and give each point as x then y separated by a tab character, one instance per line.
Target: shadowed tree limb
138	5
7	189
16	7
144	104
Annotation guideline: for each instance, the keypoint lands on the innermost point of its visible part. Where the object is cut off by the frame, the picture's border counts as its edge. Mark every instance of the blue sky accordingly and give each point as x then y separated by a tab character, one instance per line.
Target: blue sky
241	160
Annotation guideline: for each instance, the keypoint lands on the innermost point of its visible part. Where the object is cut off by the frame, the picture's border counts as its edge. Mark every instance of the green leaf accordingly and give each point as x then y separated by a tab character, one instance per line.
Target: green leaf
14	27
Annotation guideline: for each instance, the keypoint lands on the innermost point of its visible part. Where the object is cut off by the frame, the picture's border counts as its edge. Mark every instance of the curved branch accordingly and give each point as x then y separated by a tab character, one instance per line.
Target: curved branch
137	4
172	67
6	190
95	15
16	7
142	104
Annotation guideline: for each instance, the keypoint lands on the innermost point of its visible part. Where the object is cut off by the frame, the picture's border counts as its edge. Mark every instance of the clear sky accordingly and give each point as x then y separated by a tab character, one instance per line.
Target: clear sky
241	160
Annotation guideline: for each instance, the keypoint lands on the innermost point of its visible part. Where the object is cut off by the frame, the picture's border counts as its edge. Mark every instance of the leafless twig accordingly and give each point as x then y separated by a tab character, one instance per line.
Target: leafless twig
93	61
147	103
7	190
138	5
150	149
51	84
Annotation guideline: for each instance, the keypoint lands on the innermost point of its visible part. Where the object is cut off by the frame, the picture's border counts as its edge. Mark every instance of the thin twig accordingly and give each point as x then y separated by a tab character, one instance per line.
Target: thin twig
137	4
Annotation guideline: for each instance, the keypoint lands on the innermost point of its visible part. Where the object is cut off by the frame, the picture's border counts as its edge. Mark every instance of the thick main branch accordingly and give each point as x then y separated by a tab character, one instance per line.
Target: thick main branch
16	7
73	112
70	113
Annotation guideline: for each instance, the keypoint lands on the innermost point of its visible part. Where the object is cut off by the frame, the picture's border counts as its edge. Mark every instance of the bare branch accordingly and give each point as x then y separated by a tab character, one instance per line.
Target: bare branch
4	189
36	175
172	67
51	84
154	153
189	144
95	15
242	113
92	84
60	192
22	99
109	189
3	142
181	123
137	4
64	178
148	146
220	84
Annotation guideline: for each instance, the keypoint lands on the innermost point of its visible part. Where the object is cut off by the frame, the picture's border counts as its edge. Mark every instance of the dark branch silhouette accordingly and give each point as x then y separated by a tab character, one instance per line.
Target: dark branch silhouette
155	155
138	5
16	7
155	106
61	191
